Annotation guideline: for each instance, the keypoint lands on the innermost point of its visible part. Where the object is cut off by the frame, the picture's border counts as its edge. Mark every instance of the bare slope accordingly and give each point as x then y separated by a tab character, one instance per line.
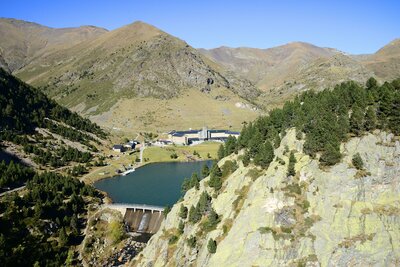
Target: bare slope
319	217
129	65
268	67
385	63
23	41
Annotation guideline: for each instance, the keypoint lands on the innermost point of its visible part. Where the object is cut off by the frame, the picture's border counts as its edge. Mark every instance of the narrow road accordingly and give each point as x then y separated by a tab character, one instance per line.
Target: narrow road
13	190
141	152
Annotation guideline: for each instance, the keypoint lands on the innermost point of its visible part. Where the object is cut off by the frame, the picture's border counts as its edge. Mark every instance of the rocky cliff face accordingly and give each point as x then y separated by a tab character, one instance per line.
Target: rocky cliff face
339	216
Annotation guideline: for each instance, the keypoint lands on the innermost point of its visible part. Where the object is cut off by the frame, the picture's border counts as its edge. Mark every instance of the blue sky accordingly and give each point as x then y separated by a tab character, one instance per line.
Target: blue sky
352	26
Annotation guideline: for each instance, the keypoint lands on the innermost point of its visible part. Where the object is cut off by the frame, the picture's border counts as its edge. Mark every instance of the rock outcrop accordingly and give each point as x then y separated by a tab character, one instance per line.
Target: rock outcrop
337	216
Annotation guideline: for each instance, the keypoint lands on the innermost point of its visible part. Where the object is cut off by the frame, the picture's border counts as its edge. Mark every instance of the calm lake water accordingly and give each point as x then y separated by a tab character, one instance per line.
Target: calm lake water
153	184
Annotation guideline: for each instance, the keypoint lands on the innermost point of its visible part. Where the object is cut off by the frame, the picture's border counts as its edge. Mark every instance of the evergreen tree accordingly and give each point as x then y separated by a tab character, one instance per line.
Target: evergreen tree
212	246
205	171
230	145
255	143
194	214
221	152
63	237
292	162
371	83
357	120
183	212
195	181
265	155
191	241
331	154
204	202
357	161
370	119
212	220
181	227
215	177
166	210
185	185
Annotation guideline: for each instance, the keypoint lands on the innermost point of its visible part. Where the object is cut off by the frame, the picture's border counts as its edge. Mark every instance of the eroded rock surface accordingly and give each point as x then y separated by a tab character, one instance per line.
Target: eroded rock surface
339	216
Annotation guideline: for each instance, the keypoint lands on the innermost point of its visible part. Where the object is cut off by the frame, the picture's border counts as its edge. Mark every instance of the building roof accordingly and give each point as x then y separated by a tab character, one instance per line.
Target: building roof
117	147
230	132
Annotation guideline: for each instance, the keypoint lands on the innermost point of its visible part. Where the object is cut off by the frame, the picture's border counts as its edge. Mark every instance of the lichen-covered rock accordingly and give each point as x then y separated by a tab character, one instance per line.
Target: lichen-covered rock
339	216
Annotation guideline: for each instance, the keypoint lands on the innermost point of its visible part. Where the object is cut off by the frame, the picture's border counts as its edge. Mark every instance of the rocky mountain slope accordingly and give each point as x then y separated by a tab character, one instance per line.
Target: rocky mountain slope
137	62
385	63
286	70
24	41
319	74
268	67
319	217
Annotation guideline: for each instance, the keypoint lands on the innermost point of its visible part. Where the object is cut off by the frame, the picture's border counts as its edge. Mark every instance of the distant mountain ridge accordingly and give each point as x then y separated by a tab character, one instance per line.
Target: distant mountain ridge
115	71
100	73
286	70
23	41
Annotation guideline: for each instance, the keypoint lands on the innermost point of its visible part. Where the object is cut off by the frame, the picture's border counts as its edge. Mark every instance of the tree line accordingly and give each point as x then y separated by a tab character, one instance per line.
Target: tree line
38	228
23	108
325	118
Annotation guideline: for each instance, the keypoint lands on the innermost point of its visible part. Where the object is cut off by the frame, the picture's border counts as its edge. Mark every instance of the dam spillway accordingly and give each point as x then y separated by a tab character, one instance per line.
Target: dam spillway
140	218
143	221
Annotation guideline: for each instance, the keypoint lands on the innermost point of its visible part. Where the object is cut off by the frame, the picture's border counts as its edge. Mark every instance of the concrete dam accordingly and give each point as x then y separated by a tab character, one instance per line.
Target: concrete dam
140	218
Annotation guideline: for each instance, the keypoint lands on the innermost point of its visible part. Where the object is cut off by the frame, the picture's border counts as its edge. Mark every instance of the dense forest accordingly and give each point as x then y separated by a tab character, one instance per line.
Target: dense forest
22	108
39	228
323	119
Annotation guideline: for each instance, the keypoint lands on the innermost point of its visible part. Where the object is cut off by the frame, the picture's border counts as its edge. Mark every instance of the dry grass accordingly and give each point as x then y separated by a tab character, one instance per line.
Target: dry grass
192	110
161	154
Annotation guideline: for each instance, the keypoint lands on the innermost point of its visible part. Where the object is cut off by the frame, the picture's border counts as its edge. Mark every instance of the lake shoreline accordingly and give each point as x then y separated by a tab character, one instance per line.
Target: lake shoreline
156	185
97	178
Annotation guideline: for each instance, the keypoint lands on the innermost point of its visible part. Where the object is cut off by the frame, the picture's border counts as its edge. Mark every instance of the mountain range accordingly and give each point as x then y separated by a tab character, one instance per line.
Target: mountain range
139	77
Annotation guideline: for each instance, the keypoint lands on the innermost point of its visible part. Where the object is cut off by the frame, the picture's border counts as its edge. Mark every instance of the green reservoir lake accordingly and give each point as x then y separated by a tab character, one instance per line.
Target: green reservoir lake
153	184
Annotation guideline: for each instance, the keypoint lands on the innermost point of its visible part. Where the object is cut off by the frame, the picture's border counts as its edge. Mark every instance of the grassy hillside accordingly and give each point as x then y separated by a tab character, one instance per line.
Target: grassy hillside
138	63
24	41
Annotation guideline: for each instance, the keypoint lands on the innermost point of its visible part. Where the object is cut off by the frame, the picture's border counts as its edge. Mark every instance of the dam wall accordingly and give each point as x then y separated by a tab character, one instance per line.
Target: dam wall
140	218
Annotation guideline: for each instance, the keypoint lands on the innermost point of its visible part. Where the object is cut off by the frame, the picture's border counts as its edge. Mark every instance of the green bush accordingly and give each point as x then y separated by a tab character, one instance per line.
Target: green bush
357	161
212	246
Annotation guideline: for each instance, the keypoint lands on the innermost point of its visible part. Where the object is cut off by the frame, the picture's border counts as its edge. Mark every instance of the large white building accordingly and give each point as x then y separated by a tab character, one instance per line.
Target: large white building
191	136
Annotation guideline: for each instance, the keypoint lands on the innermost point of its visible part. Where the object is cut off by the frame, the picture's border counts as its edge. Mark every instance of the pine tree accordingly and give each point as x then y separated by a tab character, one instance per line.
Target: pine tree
191	241
331	154
194	214
63	237
370	119
205	171
204	202
357	161
230	145
212	220
371	83
215	177
195	181
212	246
265	155
181	227
357	120
292	162
221	152
185	185
183	212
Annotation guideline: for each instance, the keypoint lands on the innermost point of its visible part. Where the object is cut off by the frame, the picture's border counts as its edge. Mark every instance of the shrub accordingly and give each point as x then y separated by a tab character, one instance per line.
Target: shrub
173	239
183	212
191	241
357	161
212	246
292	162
